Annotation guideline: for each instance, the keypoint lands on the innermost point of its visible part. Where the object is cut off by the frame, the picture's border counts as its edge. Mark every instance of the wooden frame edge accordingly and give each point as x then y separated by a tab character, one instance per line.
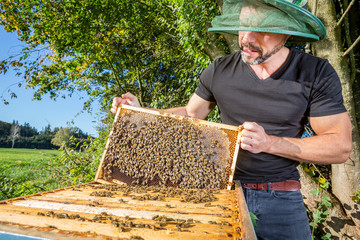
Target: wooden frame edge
244	215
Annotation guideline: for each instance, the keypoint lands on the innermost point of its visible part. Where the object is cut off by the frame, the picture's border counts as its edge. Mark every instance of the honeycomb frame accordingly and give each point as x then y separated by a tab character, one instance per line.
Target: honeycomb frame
112	173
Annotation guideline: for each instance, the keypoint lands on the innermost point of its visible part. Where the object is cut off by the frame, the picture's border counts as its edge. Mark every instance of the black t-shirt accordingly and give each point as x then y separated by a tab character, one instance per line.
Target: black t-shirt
303	86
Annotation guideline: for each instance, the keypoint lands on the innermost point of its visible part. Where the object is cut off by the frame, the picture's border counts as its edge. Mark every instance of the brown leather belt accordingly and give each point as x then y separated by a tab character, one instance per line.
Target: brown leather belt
288	185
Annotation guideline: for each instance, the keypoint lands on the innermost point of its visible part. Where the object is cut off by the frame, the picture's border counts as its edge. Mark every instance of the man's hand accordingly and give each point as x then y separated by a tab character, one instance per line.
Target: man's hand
126	99
253	138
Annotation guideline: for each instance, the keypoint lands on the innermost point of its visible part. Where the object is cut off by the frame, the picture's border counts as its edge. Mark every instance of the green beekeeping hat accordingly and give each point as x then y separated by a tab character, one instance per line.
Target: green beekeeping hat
275	16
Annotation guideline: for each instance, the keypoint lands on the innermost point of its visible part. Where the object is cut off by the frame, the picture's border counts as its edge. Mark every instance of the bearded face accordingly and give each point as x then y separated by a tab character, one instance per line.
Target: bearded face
258	47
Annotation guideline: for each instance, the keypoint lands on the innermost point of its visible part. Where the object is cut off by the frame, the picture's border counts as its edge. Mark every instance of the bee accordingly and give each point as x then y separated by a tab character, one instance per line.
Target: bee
136	238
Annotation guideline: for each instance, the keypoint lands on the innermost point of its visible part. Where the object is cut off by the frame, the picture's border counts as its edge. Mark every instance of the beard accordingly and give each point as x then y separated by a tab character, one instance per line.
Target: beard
262	56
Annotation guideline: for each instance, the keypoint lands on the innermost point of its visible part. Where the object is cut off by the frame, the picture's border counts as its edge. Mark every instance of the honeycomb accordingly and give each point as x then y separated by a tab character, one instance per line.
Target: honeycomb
156	149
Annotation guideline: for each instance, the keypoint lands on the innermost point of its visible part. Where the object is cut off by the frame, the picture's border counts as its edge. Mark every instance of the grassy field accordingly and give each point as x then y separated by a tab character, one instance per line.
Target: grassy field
25	171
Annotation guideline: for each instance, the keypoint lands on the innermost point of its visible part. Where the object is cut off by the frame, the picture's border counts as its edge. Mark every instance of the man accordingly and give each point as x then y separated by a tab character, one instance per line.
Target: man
272	91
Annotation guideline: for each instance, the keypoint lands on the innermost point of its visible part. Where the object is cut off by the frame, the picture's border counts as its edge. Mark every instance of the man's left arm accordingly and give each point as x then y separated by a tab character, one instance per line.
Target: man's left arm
331	144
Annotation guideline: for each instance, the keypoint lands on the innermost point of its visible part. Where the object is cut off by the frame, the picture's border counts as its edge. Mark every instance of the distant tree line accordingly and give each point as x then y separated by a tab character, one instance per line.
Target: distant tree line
14	135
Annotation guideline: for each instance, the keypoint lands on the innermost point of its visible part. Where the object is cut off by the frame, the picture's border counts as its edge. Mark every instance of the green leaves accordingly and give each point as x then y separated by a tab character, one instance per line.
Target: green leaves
253	218
356	196
321	213
108	47
315	192
326	201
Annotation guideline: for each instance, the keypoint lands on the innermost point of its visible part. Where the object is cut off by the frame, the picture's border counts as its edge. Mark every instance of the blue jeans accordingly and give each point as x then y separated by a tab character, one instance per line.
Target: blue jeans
282	215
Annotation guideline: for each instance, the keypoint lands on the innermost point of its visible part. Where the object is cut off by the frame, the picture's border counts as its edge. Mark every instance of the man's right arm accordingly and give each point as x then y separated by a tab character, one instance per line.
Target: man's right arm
197	107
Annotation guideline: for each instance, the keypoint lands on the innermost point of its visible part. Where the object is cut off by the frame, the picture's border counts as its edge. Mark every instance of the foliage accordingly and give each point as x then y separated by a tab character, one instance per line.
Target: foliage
253	219
356	196
25	171
320	214
73	167
61	137
106	48
30	137
320	175
28	131
25	130
69	138
214	116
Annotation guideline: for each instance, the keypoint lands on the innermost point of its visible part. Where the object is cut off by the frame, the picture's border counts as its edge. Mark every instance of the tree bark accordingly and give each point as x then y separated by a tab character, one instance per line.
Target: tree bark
214	50
337	223
345	177
232	41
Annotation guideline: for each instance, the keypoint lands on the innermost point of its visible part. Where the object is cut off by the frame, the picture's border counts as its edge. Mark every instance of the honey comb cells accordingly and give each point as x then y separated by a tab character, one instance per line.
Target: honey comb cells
146	149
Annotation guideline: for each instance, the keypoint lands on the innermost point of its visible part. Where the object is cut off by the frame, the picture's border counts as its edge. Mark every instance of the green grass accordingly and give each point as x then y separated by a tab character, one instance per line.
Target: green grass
25	171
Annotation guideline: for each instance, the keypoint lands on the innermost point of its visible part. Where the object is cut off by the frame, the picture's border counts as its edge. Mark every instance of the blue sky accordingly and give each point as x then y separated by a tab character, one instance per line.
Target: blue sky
38	113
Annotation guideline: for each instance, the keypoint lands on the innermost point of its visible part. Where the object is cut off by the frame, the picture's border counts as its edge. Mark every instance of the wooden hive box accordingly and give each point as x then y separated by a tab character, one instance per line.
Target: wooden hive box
110	209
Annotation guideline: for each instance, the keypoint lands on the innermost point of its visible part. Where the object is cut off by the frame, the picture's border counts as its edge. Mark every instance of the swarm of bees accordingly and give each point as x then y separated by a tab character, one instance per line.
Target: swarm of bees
154	193
167	151
171	197
101	194
160	222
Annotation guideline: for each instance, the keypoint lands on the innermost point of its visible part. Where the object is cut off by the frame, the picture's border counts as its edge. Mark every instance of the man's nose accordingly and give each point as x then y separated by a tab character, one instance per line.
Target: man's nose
248	37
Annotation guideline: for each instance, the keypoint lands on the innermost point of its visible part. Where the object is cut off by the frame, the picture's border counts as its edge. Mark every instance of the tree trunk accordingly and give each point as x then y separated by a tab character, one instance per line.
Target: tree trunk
214	50
337	223
14	134
232	41
345	178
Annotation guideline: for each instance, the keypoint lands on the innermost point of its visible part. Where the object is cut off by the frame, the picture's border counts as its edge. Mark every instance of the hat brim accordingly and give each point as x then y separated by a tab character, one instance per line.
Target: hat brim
295	35
318	30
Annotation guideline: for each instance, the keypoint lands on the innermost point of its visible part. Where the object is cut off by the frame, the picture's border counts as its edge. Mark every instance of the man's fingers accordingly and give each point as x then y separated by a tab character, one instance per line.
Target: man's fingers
247	140
130	99
129	96
245	146
115	102
250	126
113	110
126	99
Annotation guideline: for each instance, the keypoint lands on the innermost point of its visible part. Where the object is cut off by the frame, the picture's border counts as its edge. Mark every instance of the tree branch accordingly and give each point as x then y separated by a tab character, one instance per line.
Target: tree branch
141	95
346	11
348	42
352	46
115	75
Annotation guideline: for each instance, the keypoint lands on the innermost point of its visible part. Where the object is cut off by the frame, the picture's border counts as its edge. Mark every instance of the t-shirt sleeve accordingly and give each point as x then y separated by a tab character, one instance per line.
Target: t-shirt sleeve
204	87
326	97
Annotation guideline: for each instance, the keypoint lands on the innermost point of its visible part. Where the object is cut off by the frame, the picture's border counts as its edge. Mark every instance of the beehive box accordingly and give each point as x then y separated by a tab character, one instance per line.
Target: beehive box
108	208
100	210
